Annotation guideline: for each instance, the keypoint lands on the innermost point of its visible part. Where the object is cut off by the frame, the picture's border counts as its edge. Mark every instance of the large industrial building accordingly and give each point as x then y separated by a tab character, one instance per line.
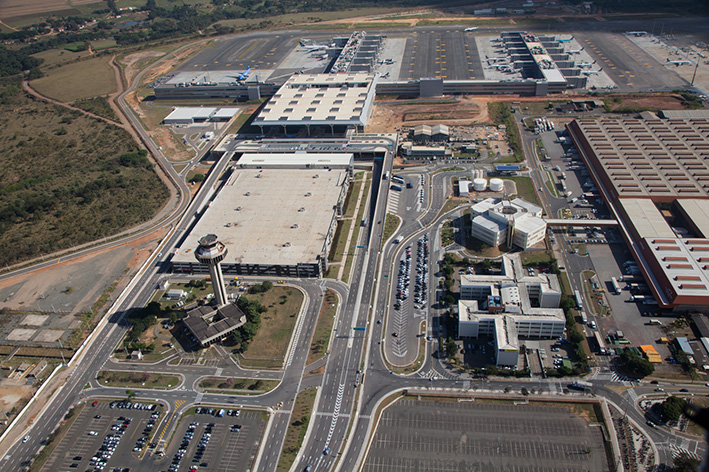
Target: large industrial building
509	306
274	219
332	103
654	175
515	223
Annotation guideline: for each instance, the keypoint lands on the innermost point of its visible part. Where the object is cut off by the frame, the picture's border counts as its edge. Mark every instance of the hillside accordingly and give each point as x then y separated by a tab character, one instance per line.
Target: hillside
66	179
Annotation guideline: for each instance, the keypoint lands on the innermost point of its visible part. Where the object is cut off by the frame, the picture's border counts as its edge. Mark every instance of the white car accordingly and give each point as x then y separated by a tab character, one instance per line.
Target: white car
26	438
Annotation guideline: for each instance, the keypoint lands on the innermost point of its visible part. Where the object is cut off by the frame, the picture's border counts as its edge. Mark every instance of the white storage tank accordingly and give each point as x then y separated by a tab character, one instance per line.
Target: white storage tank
479	185
496	185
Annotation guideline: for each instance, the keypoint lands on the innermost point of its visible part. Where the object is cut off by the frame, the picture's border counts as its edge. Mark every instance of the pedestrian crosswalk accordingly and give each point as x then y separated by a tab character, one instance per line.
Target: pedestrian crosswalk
678	451
393	203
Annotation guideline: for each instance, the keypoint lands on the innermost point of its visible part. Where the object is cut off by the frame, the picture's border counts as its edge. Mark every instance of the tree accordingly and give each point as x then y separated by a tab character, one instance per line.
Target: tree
685	463
634	365
672	408
130	394
451	347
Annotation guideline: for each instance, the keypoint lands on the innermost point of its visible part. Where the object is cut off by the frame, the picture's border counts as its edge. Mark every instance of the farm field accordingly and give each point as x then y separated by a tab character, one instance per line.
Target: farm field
89	78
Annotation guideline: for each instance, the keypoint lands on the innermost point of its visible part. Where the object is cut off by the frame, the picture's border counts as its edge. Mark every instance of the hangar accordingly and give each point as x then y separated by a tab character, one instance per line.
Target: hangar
276	218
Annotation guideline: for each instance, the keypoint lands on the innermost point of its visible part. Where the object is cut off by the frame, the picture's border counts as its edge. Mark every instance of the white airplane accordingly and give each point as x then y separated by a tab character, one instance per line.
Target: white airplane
315	47
591	72
679	63
574	51
495	59
472	28
564	40
636	33
586	64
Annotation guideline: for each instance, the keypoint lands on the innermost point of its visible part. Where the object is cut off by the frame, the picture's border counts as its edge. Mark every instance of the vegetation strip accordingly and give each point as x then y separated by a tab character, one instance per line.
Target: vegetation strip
300	417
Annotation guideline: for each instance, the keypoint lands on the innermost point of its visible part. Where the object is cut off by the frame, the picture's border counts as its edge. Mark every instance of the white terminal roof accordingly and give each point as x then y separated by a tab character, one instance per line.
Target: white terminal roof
214	77
339	161
543	60
255	215
321	99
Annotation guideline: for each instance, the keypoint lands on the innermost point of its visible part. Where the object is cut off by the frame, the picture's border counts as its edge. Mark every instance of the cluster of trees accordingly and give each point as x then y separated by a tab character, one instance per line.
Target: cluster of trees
243	336
142	319
672	408
135	159
261	288
501	114
13	62
634	365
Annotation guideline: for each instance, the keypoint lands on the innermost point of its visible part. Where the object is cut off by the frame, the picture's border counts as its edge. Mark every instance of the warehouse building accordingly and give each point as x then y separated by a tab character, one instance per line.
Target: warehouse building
510	306
274	219
640	164
191	115
515	223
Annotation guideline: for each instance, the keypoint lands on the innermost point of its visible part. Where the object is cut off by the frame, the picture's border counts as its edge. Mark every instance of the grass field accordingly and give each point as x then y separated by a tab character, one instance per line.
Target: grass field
82	79
391	223
268	348
535	257
323	329
349	257
300	417
54	57
525	189
97	105
338	246
236	385
113	378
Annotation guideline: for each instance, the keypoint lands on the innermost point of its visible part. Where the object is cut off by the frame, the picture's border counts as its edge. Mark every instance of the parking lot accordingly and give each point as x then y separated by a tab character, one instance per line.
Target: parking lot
450	436
100	432
214	443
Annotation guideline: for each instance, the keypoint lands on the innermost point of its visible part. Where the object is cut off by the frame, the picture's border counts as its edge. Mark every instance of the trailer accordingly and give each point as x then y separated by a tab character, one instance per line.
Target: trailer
616	287
579	300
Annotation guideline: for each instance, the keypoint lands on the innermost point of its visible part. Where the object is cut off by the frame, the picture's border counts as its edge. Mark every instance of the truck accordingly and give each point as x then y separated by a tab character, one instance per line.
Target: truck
654	321
579	385
386	175
579	299
616	287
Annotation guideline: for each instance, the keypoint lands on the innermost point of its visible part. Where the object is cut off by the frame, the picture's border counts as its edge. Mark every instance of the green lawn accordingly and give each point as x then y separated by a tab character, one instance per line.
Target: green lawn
114	378
525	189
391	223
323	329
349	257
237	385
300	417
268	348
82	79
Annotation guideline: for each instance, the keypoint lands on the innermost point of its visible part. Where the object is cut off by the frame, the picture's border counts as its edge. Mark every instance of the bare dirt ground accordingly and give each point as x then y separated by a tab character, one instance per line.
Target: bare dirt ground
659	102
389	115
15	8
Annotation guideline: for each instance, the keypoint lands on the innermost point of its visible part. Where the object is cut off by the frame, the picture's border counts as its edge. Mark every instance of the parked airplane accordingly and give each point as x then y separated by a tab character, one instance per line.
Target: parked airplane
591	72
472	28
495	59
574	51
586	64
564	40
245	74
679	63
315	47
636	33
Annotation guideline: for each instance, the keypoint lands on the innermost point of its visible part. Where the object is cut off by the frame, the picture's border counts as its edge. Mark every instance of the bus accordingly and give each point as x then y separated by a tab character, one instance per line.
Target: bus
584	318
396	187
578	385
616	287
398	180
396	176
599	340
579	300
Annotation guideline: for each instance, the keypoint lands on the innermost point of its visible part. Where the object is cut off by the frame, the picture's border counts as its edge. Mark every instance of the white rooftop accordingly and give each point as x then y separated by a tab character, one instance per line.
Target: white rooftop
225	112
339	161
189	113
646	218
698	212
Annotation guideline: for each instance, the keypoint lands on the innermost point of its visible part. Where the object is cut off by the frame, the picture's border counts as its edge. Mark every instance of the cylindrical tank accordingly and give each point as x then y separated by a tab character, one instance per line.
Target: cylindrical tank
479	185
496	185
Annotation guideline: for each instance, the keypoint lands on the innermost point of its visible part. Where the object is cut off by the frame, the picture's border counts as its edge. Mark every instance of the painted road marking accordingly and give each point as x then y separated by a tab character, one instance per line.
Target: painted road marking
178	404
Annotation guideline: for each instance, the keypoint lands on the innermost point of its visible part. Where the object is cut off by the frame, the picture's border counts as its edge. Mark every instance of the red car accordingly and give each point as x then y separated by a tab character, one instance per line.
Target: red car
94	403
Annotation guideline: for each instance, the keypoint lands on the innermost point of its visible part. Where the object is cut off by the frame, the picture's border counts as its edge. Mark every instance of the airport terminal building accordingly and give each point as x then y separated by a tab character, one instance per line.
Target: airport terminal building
509	306
277	216
654	175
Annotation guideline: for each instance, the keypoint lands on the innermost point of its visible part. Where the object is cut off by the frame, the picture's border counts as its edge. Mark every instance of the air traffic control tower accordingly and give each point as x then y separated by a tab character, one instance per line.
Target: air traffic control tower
211	252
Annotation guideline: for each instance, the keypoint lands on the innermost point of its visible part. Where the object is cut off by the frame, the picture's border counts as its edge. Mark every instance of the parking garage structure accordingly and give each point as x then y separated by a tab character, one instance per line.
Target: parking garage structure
654	175
276	218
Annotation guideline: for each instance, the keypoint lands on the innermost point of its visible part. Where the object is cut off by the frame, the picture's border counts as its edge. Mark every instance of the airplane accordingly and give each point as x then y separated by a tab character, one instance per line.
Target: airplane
245	74
586	64
591	72
495	59
574	51
315	47
679	63
472	28
636	33
564	40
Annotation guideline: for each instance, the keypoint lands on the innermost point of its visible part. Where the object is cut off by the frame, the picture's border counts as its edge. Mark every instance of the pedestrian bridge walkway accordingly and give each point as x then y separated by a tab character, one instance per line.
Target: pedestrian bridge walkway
569	222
